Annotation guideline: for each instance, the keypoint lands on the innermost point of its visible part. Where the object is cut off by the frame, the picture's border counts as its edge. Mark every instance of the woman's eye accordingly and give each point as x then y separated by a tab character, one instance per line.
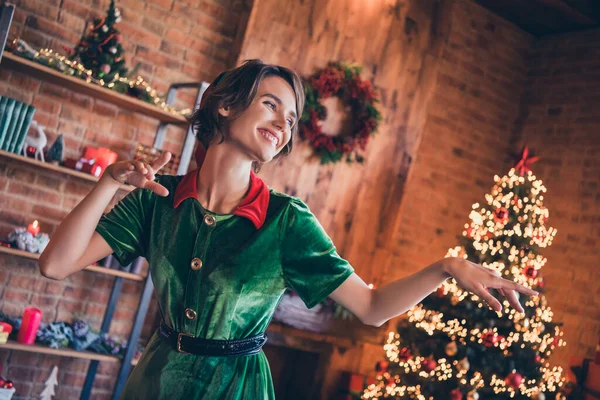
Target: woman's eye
290	122
271	105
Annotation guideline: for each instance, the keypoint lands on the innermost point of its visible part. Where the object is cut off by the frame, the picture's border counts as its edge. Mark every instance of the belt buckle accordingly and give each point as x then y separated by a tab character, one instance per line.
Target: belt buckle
179	335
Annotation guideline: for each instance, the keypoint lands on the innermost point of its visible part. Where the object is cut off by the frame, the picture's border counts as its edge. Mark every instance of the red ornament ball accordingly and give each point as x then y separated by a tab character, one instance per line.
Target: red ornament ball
501	215
456	394
405	354
530	272
541	283
389	381
537	358
382	366
441	291
489	339
8	385
429	364
513	380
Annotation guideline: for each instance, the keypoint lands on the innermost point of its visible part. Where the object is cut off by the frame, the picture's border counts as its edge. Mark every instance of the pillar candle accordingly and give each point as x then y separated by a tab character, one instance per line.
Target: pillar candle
29	326
34	228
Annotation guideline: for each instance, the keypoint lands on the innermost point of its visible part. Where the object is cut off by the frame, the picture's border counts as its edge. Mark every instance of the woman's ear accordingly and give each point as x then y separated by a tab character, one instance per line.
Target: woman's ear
224	111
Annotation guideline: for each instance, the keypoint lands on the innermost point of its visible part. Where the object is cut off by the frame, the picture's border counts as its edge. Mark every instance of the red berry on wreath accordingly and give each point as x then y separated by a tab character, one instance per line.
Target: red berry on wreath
456	394
513	380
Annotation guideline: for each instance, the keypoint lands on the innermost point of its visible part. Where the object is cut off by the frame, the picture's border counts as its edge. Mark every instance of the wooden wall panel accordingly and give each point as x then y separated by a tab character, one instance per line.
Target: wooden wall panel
396	44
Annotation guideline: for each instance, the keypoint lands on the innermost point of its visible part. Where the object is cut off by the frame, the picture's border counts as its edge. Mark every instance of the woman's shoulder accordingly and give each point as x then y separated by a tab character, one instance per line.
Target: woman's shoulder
285	203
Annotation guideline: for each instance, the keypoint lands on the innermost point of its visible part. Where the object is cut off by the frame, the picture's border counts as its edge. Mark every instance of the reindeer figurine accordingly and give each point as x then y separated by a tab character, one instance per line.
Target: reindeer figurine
39	142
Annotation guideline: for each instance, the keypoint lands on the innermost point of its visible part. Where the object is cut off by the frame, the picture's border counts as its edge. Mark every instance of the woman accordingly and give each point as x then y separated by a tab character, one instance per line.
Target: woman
222	247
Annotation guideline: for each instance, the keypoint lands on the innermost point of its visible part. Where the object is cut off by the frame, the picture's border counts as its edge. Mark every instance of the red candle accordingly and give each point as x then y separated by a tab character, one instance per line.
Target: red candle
29	326
34	228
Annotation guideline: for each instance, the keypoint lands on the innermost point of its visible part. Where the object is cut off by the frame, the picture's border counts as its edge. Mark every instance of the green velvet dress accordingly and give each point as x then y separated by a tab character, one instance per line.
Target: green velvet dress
217	279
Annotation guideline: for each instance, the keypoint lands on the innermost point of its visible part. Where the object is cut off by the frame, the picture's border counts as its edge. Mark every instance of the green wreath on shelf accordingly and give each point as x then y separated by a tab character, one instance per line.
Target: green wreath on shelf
342	81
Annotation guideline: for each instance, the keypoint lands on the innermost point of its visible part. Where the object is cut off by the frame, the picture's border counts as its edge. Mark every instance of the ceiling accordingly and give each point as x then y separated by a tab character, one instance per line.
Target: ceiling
547	17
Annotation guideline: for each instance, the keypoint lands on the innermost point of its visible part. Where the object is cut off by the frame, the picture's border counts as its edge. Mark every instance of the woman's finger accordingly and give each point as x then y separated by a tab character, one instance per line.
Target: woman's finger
150	174
156	188
522	289
491	300
161	161
139	166
512	298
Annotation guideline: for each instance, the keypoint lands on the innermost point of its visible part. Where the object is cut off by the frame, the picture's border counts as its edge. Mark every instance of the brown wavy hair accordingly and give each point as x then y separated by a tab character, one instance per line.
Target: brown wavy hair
236	89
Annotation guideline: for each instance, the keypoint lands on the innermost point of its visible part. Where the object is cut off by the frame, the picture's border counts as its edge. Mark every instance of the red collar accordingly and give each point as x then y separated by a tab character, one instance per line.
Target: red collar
253	206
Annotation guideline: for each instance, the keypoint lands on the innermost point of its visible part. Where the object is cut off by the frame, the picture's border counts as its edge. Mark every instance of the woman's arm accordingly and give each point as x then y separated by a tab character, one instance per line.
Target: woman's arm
75	244
376	306
71	248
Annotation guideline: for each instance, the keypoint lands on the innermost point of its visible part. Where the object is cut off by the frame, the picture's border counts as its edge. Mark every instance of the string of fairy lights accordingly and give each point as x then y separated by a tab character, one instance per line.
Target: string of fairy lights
73	68
513	261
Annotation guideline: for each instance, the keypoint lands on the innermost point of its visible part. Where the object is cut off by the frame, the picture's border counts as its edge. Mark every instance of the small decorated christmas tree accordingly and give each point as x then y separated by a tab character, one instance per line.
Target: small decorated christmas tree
453	346
100	50
52	381
55	153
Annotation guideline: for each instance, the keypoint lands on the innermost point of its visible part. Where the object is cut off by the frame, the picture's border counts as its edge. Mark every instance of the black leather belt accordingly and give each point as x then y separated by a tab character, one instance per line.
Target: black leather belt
186	343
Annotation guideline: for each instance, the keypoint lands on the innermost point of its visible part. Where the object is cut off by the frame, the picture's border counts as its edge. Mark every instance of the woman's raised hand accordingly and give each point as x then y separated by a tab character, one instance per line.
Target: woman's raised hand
477	279
139	174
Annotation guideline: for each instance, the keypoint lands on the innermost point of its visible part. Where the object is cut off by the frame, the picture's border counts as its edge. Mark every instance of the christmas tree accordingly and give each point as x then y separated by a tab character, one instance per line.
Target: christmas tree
100	50
52	381
452	345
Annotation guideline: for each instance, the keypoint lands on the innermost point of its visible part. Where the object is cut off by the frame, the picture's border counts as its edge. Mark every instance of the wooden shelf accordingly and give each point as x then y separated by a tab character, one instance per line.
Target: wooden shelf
57	168
36	348
93	268
15	63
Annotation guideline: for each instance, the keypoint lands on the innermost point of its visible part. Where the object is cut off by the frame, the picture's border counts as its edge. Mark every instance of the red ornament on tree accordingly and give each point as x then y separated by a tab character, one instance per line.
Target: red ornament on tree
537	358
489	338
405	354
501	215
441	291
530	271
456	394
513	380
382	366
389	381
428	364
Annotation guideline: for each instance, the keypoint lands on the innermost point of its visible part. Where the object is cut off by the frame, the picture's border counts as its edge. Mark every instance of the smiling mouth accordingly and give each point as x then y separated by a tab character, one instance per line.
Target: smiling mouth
269	136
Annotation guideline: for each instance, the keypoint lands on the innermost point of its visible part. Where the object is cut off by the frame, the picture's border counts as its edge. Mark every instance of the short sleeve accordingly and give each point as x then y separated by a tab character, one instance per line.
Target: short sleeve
311	265
125	227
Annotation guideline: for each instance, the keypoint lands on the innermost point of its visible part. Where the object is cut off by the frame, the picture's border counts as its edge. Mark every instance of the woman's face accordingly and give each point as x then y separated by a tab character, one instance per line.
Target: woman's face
265	127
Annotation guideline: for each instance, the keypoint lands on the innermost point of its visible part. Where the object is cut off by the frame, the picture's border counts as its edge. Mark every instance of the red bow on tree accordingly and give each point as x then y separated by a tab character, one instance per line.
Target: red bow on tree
525	162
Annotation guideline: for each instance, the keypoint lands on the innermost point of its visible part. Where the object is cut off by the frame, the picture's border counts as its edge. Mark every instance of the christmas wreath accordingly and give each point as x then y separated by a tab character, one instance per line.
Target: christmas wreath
342	81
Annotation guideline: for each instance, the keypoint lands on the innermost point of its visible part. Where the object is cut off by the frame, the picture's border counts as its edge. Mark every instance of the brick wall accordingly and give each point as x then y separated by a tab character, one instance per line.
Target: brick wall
485	105
466	138
560	121
174	41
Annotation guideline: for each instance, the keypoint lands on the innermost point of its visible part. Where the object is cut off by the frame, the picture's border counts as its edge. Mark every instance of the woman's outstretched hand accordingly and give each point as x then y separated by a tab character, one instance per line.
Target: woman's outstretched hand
477	279
139	174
